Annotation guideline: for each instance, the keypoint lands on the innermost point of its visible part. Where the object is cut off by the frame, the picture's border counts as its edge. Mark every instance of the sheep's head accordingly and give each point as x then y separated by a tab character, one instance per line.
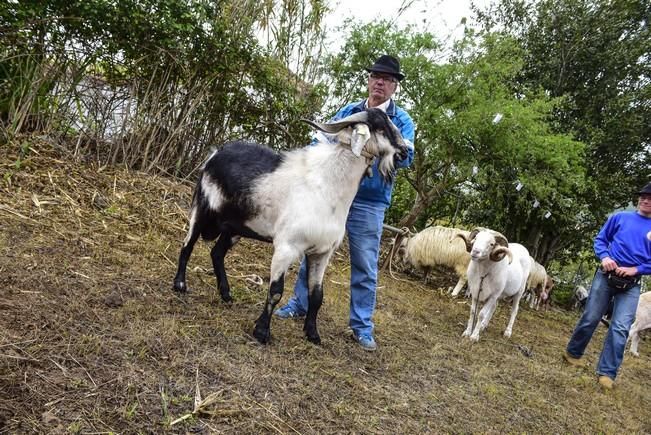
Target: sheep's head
373	132
402	249
549	285
482	243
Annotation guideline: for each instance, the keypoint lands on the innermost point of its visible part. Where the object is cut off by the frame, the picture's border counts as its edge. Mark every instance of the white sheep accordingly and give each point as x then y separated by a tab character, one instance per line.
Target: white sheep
545	298
580	297
491	276
298	200
642	321
536	283
434	246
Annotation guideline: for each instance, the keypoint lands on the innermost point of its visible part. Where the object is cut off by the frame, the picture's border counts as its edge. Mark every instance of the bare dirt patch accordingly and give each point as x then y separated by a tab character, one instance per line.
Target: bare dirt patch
93	339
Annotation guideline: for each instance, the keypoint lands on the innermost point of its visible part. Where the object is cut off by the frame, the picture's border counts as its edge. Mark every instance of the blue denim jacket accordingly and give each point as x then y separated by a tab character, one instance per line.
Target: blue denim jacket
374	189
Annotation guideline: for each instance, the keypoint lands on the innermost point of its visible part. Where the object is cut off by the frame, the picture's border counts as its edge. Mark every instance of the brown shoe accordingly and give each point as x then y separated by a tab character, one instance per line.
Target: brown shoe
576	362
606	382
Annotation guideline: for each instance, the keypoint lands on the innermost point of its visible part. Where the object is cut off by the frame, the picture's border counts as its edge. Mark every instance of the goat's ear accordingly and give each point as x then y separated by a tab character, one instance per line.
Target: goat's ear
361	135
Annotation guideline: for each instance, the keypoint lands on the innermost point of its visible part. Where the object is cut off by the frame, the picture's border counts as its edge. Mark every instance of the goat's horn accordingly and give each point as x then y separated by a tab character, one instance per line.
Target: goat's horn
499	252
337	126
465	239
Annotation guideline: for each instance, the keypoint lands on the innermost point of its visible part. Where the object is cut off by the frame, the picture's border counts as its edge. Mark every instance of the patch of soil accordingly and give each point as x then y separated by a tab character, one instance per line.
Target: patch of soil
93	339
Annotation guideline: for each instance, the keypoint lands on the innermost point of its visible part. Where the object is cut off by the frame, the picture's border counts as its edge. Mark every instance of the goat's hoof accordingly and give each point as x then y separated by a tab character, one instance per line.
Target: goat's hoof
507	334
465	334
227	298
635	354
474	337
180	286
314	339
263	335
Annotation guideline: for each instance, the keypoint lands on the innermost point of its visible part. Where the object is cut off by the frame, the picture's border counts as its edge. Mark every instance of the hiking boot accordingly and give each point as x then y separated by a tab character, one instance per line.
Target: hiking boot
606	382
573	361
366	341
288	312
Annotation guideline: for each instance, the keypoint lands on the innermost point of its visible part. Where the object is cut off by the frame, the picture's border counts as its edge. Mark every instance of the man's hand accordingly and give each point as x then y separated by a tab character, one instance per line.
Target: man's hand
626	271
608	264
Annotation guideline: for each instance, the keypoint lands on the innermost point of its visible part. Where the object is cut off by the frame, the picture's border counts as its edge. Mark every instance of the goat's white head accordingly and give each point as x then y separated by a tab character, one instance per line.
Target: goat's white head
484	243
372	131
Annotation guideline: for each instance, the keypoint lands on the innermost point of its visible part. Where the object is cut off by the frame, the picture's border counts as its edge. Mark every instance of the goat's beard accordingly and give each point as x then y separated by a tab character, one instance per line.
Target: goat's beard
386	168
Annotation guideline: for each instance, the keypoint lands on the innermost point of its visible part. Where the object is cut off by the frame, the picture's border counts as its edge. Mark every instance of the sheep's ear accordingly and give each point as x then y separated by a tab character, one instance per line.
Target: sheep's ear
361	135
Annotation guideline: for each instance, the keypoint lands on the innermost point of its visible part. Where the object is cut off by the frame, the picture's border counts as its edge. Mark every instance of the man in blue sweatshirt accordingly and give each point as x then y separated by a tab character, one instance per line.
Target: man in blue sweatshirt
623	246
366	214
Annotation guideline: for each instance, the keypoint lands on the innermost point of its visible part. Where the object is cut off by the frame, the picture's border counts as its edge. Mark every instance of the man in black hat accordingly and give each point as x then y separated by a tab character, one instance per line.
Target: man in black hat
366	214
623	246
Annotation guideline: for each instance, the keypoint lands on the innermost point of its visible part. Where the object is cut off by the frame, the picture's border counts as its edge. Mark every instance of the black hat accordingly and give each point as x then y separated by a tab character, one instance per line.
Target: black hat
388	65
646	190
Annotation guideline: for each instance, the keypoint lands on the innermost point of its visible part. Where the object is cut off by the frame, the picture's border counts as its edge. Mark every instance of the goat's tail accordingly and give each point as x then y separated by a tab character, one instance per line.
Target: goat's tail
205	220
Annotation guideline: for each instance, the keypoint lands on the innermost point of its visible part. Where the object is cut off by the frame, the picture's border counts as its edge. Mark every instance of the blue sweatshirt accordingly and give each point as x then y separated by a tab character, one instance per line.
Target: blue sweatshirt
374	189
626	238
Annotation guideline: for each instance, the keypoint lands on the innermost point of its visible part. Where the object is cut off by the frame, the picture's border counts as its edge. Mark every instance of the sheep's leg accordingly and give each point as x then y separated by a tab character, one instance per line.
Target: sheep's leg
514	312
282	258
473	307
484	317
635	339
217	254
489	315
457	288
316	264
426	270
188	244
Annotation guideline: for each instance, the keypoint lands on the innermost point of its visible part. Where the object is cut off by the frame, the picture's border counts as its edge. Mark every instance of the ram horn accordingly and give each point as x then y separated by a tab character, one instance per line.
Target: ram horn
337	126
500	239
499	252
467	240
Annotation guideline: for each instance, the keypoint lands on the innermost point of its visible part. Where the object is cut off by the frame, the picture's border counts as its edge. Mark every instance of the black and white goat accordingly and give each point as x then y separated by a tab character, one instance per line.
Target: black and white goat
298	200
491	277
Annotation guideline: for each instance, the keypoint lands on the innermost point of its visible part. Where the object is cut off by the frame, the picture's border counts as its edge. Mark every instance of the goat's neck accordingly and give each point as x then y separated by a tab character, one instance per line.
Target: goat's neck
343	168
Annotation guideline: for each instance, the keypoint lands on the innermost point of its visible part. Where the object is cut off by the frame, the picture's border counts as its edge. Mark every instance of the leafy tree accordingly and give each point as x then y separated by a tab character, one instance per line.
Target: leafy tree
464	154
189	74
596	56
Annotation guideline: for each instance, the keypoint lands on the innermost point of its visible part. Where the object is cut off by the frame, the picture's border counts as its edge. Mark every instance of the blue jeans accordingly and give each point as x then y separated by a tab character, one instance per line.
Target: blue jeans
364	228
624	308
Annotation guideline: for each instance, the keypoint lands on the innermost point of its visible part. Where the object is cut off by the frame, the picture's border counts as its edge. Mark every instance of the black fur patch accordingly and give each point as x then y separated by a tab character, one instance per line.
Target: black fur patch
235	169
379	121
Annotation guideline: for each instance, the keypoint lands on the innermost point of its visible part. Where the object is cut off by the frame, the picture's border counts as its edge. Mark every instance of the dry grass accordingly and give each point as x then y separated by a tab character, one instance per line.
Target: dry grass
93	340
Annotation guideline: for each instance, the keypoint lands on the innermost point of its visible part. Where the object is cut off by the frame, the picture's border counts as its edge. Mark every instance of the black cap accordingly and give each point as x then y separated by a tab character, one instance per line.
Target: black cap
388	65
646	190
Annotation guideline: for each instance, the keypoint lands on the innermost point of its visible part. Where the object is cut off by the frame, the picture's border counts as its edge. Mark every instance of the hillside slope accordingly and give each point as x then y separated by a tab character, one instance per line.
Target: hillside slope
93	339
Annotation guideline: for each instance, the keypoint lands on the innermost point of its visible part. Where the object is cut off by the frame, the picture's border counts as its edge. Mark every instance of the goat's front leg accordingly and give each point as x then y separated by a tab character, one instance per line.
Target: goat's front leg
282	258
316	264
514	312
